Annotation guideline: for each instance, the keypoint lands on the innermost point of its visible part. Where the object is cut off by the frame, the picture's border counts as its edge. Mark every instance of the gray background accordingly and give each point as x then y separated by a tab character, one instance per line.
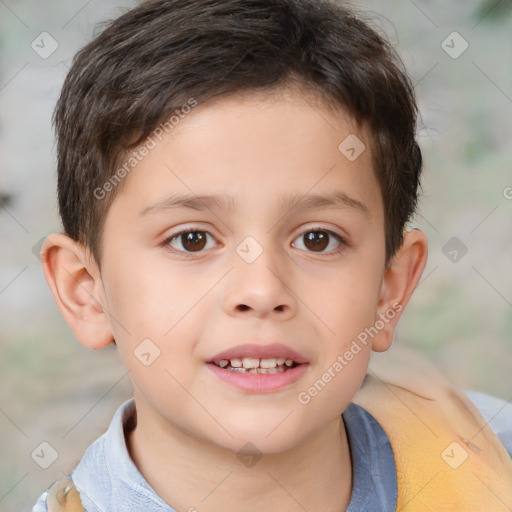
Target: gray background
53	390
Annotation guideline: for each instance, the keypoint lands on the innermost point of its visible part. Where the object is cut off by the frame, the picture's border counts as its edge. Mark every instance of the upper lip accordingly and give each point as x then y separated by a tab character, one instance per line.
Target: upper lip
272	350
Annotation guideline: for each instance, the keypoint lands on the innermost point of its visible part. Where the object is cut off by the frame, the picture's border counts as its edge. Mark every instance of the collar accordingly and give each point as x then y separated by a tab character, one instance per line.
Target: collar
108	479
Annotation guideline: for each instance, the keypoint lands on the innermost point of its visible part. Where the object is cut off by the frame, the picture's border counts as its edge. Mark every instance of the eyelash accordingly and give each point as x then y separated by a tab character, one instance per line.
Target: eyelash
343	243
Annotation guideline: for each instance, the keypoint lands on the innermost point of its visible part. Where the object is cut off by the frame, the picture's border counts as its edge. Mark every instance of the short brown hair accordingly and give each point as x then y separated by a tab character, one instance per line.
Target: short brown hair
153	59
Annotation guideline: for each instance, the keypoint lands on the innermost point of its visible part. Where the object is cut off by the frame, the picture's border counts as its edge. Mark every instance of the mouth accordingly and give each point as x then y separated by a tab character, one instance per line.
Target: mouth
270	365
254	358
254	368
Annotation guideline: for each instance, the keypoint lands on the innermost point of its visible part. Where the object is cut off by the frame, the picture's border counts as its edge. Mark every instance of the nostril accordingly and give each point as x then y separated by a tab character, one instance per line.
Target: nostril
244	307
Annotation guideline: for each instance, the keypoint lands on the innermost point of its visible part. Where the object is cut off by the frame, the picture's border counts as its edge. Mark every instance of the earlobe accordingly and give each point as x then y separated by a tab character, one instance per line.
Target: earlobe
400	280
75	281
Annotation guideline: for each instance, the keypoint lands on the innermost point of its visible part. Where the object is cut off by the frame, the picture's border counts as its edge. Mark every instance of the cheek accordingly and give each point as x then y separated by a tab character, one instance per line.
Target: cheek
333	386
347	303
153	309
347	307
143	298
159	355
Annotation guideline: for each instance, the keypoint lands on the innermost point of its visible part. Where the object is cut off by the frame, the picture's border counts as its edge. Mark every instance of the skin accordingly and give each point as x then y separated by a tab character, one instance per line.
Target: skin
257	148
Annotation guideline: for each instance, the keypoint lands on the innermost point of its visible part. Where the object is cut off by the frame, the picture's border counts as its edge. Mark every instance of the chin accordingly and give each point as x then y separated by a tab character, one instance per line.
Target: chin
262	437
257	445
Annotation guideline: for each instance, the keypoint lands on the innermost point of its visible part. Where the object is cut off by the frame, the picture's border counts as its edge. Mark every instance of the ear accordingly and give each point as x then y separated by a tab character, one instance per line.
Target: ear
75	281
400	279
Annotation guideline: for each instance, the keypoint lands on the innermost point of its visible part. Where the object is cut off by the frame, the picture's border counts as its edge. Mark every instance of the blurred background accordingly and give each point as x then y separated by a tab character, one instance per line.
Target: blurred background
55	391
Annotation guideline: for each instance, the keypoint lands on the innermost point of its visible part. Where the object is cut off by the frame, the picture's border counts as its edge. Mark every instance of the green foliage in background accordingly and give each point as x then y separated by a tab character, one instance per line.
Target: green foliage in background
494	11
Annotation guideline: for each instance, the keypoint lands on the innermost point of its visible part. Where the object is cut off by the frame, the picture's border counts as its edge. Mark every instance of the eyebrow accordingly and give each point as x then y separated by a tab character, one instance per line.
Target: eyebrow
333	200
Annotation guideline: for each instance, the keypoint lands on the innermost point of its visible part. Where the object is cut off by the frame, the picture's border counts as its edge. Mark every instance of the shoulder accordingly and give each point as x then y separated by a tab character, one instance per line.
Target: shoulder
96	473
61	497
87	475
92	477
374	485
40	505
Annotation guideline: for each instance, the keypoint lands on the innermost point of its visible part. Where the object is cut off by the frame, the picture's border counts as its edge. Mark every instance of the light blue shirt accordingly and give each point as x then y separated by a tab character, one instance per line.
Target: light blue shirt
108	480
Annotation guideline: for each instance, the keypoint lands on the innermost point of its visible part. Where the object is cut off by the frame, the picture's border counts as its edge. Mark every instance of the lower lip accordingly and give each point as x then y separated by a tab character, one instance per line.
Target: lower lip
259	382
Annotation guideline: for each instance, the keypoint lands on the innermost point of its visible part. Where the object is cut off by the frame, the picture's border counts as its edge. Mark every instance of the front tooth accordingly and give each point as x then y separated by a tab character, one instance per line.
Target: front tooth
269	363
236	363
288	362
250	362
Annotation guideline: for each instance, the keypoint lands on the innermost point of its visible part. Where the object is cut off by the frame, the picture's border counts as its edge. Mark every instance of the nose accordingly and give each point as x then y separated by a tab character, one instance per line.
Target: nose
260	288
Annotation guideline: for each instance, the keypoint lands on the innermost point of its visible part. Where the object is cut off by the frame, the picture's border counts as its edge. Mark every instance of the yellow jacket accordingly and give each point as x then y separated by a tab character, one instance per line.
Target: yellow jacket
447	457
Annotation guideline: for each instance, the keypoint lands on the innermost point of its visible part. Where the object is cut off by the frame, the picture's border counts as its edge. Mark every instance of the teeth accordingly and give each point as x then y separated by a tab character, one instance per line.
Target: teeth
257	370
269	363
255	365
250	362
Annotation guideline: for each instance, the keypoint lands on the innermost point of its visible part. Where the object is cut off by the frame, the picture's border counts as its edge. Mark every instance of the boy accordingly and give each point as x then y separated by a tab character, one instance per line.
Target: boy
234	181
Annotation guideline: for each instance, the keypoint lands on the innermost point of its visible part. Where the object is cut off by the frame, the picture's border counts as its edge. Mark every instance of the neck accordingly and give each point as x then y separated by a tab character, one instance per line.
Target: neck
193	474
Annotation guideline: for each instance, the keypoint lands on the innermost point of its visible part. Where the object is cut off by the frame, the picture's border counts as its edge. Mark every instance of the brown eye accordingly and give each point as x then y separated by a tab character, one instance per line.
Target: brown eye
190	241
318	240
193	241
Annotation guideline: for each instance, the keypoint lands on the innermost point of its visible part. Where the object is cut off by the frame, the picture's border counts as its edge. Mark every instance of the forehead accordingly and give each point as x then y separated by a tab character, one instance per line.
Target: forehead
251	150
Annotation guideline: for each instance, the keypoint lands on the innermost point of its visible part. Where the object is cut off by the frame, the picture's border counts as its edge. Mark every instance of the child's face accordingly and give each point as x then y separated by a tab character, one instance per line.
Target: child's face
261	151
